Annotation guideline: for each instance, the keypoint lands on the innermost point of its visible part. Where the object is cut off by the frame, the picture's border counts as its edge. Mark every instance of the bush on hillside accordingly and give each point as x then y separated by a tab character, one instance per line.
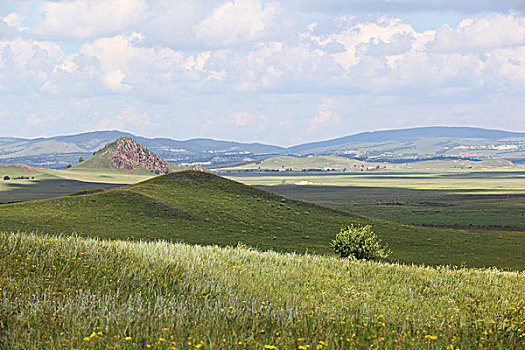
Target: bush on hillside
356	242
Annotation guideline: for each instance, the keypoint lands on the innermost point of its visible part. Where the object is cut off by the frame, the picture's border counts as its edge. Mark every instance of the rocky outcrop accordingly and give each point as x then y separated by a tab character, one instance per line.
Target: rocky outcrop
127	154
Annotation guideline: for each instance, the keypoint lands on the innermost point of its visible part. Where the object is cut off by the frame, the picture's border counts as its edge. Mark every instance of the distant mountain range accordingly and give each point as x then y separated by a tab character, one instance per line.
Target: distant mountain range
389	145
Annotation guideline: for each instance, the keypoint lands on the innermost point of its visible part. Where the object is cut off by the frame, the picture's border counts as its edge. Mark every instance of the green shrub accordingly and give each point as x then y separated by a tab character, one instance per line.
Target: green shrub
356	242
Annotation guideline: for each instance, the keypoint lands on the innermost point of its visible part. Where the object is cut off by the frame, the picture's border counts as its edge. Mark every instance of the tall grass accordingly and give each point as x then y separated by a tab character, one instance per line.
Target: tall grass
72	292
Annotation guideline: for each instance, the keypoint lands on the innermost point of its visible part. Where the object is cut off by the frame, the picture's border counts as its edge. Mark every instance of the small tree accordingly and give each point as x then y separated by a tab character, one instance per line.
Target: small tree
356	242
68	166
6	178
81	159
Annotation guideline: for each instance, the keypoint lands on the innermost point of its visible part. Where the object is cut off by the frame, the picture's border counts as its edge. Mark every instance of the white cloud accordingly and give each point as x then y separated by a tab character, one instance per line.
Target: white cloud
26	65
326	114
123	65
35	120
242	118
13	19
81	19
481	34
128	118
239	21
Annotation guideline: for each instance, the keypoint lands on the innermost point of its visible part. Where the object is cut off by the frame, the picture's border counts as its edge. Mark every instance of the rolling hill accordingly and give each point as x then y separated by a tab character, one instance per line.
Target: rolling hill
203	208
423	143
410	135
388	145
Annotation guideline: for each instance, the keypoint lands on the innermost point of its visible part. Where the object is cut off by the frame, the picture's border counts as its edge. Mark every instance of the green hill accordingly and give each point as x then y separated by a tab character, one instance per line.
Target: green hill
424	142
202	208
343	164
72	293
305	163
126	155
18	170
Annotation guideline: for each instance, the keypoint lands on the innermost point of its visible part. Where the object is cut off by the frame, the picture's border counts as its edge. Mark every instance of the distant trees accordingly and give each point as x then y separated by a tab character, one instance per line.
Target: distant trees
81	159
6	178
68	166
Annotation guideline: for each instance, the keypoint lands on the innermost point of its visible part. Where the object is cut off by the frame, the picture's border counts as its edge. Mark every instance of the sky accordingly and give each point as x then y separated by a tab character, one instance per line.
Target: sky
278	72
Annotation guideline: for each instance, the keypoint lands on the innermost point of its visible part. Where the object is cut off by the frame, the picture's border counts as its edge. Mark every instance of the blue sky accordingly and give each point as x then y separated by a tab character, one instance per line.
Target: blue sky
280	72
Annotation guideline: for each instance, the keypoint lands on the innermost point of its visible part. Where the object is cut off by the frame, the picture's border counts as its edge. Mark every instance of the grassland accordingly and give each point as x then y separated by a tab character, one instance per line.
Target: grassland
41	183
500	181
474	199
439	208
70	292
201	208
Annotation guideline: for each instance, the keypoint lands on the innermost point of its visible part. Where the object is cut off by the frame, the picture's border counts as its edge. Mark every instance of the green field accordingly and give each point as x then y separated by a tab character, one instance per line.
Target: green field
501	181
201	208
50	183
69	293
439	208
483	200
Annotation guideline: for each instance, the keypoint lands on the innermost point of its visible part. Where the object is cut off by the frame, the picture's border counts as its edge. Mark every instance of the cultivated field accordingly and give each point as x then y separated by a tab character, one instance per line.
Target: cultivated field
69	292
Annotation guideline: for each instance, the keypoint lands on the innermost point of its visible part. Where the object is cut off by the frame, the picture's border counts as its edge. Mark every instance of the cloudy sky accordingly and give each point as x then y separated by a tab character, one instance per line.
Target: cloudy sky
281	72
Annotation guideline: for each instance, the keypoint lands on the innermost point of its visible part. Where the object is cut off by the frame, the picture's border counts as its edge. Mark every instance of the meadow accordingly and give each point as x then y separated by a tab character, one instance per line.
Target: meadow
201	208
500	181
38	183
71	292
431	208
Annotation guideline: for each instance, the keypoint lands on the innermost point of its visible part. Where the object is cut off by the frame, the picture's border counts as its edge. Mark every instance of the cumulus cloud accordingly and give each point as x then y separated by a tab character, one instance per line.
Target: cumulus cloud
35	120
481	34
397	44
326	114
128	118
82	19
242	118
26	65
239	21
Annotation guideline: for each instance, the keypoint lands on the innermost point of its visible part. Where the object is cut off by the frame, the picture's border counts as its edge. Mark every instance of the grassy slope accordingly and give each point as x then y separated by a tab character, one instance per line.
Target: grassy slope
202	208
67	292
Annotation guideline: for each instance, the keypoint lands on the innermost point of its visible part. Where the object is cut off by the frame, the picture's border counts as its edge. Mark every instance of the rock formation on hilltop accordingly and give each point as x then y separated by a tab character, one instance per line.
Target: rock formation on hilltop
127	154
